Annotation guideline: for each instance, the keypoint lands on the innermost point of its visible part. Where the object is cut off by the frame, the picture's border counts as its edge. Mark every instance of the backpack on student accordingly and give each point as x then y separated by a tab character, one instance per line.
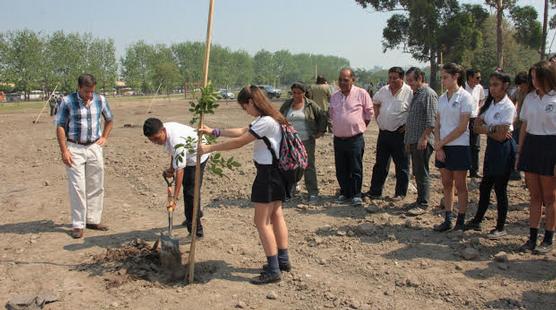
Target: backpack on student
292	160
293	155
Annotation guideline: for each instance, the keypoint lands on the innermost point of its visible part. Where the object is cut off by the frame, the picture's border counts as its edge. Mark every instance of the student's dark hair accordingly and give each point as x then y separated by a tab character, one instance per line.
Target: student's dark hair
152	126
453	70
299	85
261	103
502	77
521	78
397	70
321	79
416	72
471	73
545	75
87	80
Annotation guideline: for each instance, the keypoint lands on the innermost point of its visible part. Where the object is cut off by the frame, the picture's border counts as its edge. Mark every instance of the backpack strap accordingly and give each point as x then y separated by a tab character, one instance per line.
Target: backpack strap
267	142
269	146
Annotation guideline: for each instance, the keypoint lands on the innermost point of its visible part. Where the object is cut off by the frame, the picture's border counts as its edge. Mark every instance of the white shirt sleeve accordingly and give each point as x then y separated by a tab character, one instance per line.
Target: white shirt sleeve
507	115
177	153
481	93
262	127
523	111
378	98
466	103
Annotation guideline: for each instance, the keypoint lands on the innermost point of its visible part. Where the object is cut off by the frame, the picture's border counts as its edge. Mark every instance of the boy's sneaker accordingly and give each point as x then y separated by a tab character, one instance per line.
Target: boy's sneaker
341	199
357	201
542	249
472	225
416	209
496	234
267	277
312	198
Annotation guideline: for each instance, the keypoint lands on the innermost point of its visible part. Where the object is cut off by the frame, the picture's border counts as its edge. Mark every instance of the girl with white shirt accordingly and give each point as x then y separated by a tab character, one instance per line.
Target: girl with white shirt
537	154
451	134
268	191
495	120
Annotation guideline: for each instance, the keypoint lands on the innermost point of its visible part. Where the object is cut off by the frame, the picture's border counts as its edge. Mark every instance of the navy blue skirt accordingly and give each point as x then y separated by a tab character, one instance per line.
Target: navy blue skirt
458	158
538	154
499	157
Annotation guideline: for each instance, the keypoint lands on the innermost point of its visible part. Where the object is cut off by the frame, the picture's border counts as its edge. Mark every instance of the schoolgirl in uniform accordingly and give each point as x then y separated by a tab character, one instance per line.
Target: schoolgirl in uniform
451	132
495	120
537	154
268	191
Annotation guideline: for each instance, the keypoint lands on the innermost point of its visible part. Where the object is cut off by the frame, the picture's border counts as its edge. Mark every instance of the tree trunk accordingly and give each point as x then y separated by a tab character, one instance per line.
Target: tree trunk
544	30
499	38
434	69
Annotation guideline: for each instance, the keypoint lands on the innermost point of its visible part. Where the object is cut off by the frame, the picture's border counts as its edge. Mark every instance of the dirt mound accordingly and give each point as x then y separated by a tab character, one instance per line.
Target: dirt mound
133	260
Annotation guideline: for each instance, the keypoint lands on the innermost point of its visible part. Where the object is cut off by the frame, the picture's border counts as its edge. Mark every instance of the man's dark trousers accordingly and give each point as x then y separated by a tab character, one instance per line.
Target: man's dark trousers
389	146
188	192
420	166
348	157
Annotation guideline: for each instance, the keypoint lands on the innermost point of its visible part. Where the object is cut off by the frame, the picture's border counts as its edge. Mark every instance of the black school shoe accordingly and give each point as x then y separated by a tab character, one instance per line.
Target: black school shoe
287	267
527	247
445	226
266	277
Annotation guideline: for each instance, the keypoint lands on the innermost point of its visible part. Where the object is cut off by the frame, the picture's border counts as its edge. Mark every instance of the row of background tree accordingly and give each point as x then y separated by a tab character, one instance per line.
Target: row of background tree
30	61
441	31
432	31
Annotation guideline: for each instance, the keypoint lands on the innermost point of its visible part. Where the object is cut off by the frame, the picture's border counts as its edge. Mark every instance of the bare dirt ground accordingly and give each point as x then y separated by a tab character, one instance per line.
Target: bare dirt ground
343	256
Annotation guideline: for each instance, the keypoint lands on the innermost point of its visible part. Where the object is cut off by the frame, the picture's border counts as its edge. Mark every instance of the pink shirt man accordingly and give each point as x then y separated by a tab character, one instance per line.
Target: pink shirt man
350	114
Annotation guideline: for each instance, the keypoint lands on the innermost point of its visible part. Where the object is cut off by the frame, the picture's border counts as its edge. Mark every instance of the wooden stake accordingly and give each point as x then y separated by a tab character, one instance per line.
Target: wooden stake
197	193
44	105
152	99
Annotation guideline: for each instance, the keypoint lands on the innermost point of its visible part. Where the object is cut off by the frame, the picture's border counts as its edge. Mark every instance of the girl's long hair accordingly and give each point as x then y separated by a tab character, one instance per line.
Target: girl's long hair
502	77
545	74
261	103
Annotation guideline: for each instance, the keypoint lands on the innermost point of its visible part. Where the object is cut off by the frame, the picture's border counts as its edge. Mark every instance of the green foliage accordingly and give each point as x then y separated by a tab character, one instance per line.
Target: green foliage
206	104
34	61
528	30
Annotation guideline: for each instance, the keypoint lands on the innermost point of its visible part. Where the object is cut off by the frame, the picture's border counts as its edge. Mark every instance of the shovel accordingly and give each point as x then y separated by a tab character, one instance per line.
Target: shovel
170	256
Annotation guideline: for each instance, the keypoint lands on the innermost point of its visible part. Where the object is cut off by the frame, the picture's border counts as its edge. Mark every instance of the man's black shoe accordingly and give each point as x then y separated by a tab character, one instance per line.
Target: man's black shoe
472	225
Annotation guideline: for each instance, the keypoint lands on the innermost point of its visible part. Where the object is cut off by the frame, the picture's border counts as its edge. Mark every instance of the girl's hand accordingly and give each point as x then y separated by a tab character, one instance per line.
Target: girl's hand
205	130
440	155
203	149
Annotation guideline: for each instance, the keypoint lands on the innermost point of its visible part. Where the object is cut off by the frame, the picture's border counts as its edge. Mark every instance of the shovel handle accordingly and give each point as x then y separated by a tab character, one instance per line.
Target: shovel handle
169	180
170	222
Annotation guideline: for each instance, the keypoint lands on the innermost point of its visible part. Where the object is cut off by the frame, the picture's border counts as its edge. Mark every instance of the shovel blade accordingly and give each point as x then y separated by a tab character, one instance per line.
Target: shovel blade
170	256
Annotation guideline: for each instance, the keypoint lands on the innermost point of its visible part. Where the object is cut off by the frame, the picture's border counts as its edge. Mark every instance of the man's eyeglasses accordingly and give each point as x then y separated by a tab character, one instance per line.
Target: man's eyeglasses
344	80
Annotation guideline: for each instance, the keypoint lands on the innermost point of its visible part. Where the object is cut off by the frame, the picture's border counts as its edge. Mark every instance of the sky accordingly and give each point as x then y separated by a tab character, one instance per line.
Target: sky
330	27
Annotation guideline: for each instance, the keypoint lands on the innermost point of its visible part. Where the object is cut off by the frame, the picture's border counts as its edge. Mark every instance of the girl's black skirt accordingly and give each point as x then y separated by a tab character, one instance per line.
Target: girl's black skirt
538	154
268	185
458	158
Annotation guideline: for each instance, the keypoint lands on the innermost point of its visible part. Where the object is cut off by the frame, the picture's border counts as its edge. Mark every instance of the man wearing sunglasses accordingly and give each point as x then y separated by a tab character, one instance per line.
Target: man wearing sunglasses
351	110
473	86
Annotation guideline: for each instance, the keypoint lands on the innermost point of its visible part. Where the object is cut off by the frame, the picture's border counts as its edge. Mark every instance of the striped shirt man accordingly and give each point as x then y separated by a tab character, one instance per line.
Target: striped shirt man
81	123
